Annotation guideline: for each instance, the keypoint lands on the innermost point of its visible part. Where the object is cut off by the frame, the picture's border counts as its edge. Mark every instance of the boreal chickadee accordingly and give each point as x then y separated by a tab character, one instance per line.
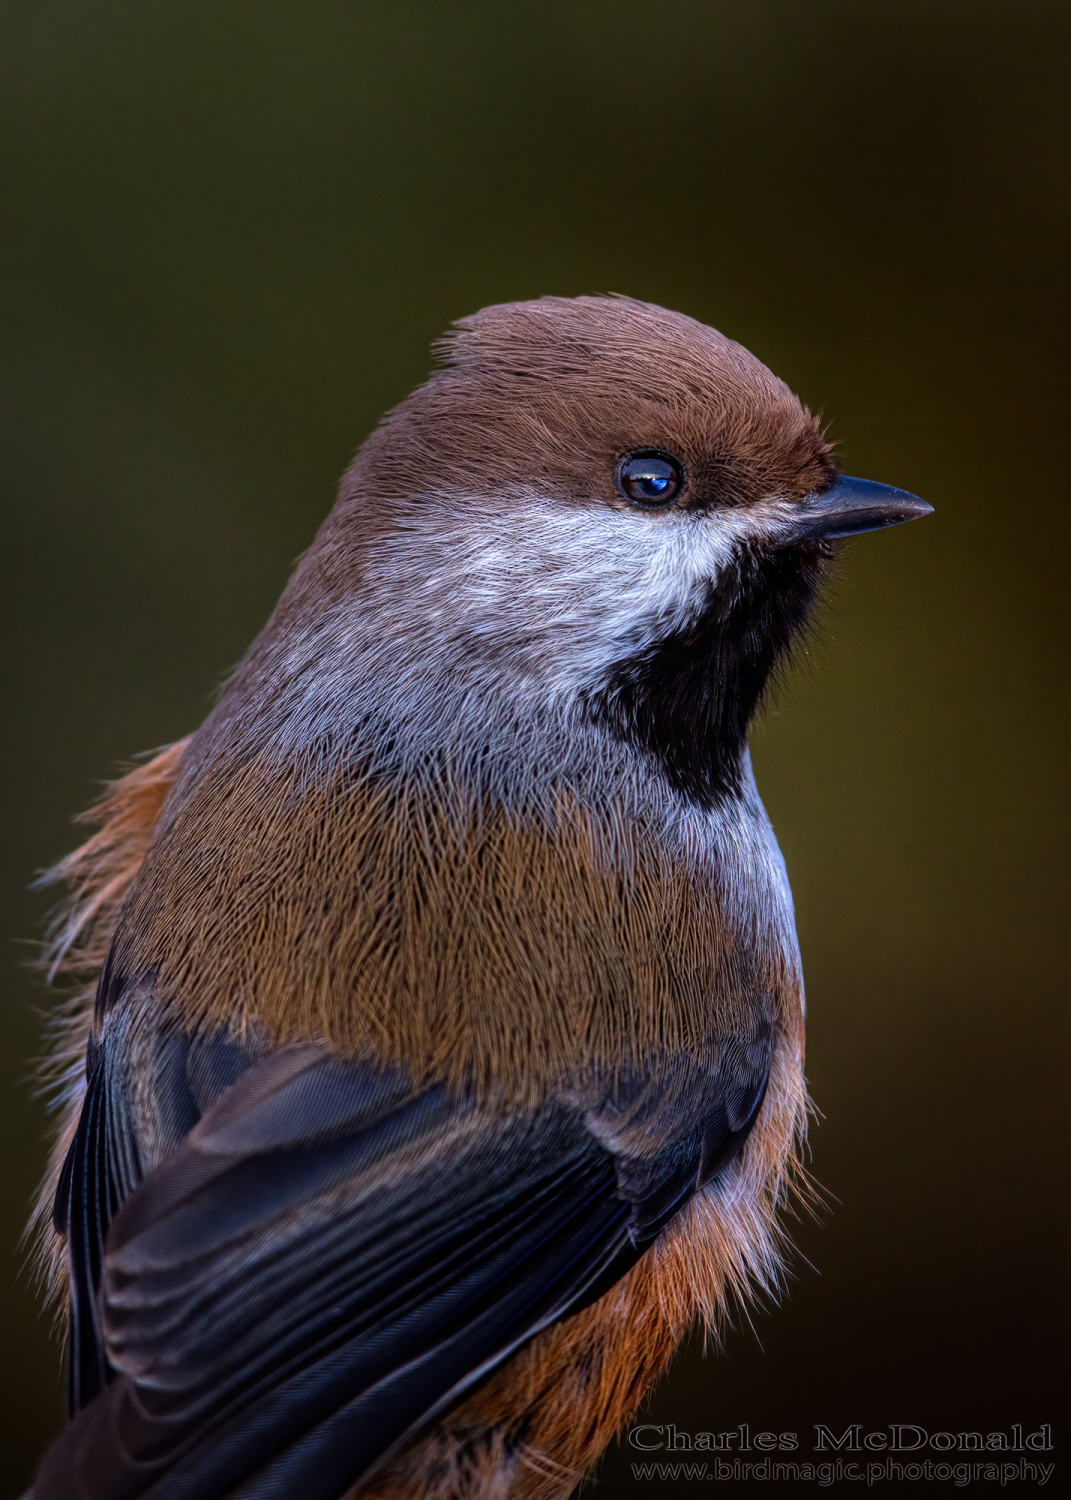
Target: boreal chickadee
446	1057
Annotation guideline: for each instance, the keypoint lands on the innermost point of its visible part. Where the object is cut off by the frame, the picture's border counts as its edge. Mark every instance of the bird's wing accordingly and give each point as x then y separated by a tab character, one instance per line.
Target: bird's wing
107	1161
329	1258
101	1169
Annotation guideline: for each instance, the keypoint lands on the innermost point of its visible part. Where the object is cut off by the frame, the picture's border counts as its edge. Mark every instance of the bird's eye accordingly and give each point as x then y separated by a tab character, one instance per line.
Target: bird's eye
648	477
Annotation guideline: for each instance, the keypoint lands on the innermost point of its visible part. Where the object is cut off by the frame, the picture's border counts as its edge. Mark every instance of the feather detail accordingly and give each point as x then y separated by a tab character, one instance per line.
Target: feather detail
99	874
500	951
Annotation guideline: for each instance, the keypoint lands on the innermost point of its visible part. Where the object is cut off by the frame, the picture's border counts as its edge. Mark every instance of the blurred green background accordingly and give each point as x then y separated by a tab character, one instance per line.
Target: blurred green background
230	232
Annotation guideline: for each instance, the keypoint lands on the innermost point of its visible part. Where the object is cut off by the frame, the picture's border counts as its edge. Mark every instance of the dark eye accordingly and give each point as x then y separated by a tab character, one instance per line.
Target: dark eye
650	478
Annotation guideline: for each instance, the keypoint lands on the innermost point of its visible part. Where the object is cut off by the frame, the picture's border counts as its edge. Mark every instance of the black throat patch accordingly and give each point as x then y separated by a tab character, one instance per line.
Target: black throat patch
687	695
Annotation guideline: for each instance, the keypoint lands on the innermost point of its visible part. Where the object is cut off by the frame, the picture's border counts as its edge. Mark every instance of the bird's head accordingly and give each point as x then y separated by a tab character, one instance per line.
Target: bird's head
596	509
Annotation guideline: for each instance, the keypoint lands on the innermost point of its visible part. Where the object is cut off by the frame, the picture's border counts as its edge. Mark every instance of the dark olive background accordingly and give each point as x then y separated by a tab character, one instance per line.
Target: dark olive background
231	231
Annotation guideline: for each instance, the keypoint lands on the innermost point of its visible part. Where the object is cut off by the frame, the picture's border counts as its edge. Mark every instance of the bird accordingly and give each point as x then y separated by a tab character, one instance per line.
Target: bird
439	1055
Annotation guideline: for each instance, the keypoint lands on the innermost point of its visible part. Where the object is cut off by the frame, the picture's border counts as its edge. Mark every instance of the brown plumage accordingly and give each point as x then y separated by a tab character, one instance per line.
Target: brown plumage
475	816
545	1417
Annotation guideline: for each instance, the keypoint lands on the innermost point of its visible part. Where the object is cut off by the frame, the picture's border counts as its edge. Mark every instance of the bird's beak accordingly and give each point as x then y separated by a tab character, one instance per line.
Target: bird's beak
851	506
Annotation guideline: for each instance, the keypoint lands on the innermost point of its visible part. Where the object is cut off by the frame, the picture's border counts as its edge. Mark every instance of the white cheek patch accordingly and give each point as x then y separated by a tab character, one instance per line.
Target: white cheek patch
473	621
561	591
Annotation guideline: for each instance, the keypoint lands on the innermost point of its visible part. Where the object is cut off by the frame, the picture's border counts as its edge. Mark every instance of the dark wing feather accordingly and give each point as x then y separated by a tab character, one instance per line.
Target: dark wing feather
106	1162
324	1263
87	1199
328	1259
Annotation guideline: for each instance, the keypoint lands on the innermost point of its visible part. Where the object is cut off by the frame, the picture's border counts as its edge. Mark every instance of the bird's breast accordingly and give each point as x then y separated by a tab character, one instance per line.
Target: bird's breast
504	948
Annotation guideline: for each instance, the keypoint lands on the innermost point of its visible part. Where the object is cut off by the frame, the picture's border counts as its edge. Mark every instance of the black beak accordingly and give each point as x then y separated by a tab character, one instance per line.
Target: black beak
851	506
